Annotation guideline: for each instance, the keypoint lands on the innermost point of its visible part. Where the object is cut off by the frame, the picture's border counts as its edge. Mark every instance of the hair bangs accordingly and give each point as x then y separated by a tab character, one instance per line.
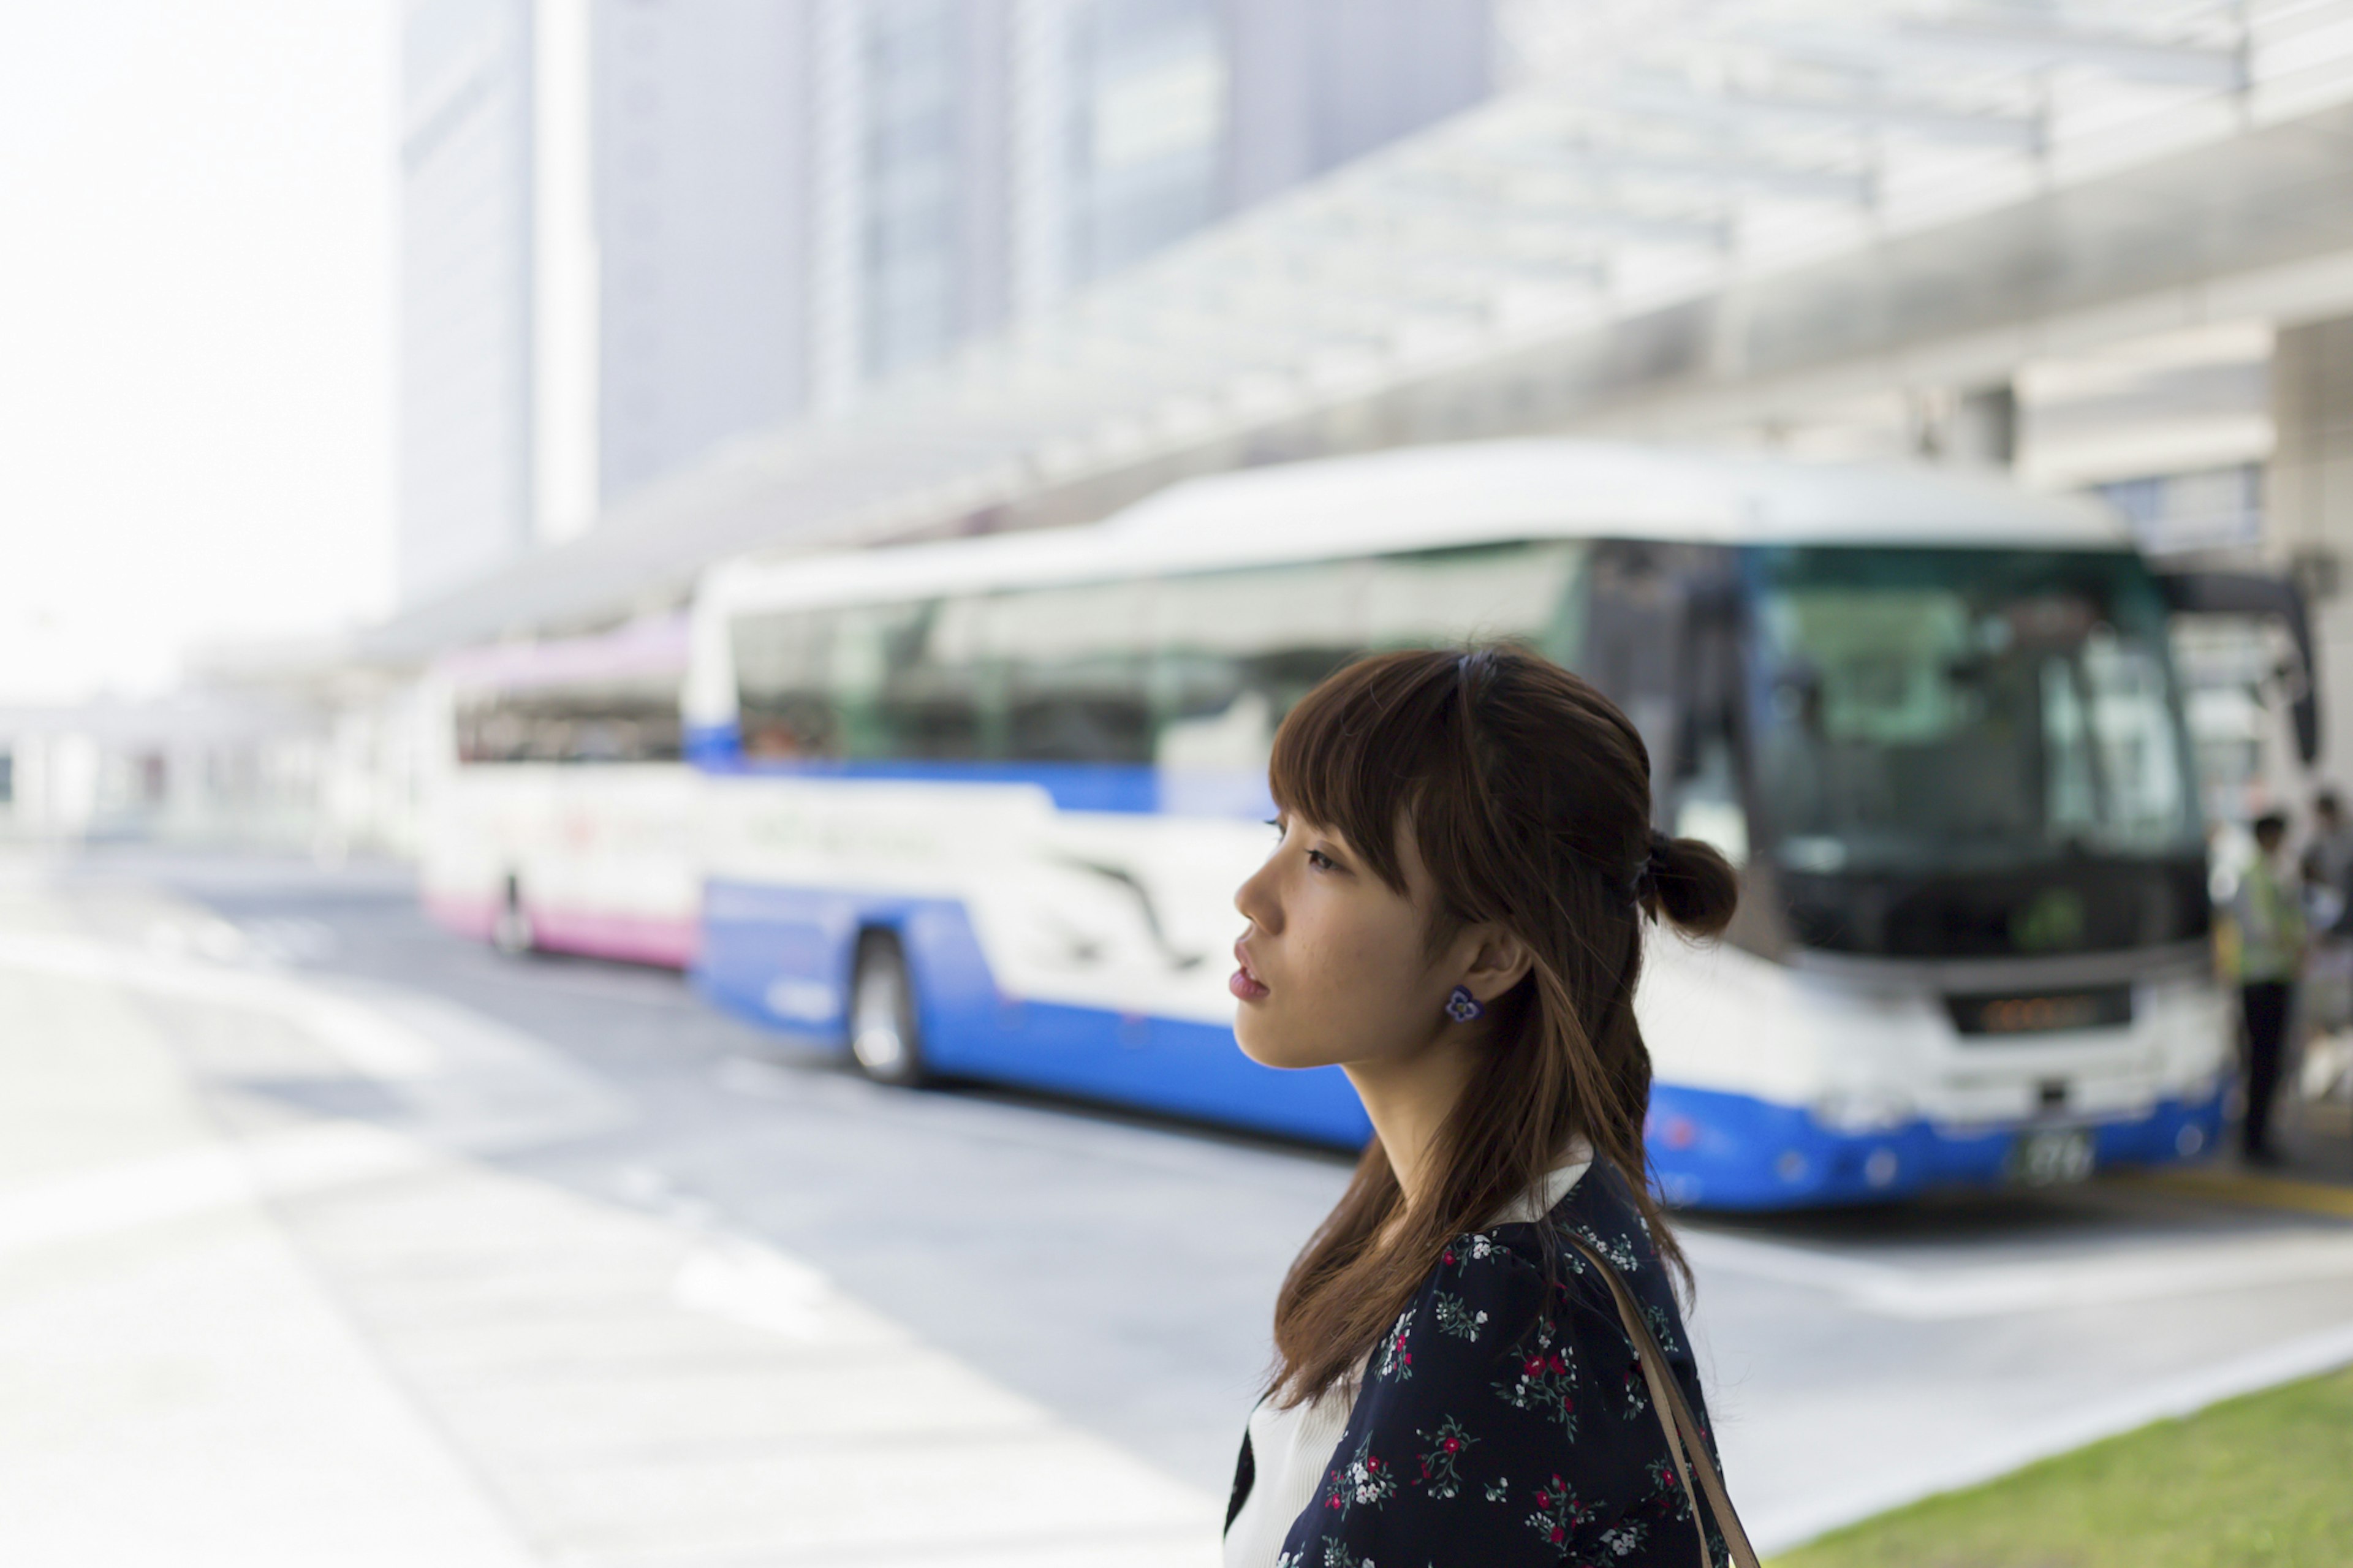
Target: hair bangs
1355	754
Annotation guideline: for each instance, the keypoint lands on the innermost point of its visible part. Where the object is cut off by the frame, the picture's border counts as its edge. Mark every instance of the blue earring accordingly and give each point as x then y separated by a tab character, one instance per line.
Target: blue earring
1461	1006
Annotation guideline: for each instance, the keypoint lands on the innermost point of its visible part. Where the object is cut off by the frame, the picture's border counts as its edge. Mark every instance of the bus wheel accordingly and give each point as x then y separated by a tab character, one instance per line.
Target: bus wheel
511	931
883	1035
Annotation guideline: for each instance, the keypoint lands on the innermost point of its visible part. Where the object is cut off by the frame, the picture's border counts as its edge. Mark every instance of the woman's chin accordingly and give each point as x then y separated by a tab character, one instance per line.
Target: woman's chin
1270	1048
1251	1047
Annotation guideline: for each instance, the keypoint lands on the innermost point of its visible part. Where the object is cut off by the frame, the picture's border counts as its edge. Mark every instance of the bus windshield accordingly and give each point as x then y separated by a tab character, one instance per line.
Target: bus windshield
1958	710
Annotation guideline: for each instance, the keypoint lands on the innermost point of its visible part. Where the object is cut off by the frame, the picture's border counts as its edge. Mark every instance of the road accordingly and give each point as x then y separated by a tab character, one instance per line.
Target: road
666	1289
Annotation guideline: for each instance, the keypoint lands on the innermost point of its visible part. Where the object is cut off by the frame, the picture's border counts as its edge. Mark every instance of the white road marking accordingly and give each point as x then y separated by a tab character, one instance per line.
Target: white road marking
192	1182
744	1282
371	1042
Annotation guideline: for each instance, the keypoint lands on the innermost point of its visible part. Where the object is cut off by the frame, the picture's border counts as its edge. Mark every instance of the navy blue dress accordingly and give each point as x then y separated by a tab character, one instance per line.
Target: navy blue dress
1505	1421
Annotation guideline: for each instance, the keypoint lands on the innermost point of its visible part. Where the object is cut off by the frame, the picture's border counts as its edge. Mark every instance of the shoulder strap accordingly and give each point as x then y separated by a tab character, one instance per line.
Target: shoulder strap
1685	1444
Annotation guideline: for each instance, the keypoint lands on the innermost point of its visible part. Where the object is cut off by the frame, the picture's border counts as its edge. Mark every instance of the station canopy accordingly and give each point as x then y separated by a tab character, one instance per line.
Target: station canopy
1659	190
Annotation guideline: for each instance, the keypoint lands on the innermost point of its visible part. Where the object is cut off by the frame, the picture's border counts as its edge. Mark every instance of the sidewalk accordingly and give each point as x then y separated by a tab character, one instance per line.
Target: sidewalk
178	1389
2315	1175
245	1330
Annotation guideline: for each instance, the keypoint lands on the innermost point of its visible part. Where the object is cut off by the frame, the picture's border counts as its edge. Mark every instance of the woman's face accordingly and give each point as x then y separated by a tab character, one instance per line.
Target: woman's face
1336	965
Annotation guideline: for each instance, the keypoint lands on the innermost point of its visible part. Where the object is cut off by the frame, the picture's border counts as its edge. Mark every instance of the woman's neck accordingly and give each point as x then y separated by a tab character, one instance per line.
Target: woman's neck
1408	1100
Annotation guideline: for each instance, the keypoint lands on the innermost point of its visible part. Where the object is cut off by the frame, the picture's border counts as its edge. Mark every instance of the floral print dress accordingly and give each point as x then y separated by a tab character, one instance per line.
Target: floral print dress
1505	1420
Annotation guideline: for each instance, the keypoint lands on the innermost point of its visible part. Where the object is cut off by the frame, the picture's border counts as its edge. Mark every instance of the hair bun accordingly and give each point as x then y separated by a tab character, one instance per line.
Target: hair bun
1692	884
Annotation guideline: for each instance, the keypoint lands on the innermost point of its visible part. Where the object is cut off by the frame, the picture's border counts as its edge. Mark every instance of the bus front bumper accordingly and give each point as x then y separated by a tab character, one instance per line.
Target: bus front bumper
1716	1150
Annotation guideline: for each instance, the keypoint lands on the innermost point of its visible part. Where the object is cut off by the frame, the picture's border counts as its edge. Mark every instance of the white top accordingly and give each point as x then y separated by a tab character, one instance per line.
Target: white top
1290	1445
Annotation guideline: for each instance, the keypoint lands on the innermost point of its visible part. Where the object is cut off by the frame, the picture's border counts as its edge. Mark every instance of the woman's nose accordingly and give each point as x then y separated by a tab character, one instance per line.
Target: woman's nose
1255	899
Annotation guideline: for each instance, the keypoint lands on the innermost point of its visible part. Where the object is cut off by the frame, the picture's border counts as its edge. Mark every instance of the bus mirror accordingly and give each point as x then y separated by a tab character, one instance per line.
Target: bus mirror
2253	594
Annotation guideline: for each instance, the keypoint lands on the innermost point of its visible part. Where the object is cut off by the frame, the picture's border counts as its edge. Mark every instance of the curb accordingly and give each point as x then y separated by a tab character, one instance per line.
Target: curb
1776	1530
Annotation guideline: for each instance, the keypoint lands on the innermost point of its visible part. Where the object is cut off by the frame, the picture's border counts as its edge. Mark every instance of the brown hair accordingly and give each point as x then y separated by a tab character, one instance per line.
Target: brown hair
1528	795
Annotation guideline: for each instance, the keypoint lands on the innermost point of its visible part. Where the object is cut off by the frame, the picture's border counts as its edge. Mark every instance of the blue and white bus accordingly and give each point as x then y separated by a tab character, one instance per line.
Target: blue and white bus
977	808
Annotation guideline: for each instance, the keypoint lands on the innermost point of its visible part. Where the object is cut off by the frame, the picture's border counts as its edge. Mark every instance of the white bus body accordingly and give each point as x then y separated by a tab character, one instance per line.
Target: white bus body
985	801
563	819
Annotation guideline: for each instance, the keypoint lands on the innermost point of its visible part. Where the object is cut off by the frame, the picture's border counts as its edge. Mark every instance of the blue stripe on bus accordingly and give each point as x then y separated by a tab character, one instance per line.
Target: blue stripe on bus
782	956
714	747
1713	1150
1073	786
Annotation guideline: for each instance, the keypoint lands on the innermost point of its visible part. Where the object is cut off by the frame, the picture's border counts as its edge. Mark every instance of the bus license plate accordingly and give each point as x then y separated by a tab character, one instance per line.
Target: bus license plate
2051	1157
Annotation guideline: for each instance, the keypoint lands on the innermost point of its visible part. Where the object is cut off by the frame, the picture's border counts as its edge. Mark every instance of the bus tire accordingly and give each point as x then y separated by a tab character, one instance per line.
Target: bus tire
885	1036
511	931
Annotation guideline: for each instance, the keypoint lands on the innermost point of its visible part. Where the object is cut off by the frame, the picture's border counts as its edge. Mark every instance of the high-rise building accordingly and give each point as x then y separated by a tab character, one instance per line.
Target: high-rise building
796	201
465	407
497	365
700	156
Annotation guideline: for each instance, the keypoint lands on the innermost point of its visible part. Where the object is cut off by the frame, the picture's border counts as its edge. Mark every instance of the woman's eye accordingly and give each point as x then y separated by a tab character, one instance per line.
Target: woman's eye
1321	861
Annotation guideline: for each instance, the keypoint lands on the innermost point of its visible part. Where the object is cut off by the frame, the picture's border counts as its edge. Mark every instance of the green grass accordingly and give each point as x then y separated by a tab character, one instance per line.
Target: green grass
2265	1481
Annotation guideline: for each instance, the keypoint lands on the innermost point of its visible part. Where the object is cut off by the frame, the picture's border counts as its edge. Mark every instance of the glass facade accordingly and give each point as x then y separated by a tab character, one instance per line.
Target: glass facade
1147	128
466	411
912	55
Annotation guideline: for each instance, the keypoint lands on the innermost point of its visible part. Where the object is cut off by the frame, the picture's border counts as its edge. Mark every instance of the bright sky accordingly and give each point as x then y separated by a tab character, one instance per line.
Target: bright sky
195	330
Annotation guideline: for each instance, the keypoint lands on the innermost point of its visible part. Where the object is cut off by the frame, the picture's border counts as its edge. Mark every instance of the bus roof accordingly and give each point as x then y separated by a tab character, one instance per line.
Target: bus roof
1422	497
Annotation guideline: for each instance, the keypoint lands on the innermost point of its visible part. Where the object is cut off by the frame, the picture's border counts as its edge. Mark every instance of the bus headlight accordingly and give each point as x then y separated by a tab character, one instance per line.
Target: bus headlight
1863	1110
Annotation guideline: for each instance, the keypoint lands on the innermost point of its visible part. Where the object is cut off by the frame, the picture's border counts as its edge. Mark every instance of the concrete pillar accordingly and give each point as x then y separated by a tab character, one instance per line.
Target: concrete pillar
1985	426
2308	508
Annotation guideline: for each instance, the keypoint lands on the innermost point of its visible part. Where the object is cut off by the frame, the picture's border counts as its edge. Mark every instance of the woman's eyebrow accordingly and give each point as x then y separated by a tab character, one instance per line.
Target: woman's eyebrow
1331	845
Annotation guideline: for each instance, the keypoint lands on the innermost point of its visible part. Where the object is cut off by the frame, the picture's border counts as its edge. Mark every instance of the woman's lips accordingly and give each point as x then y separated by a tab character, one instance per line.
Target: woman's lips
1243	984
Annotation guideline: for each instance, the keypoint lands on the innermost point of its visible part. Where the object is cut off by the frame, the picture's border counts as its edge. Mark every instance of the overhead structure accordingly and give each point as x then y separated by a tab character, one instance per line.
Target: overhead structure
1676	203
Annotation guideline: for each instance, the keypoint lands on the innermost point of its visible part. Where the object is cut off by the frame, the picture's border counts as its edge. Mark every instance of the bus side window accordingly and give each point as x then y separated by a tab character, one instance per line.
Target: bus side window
938	701
1634	648
783	691
892	700
1073	670
1524	593
610	723
1236	649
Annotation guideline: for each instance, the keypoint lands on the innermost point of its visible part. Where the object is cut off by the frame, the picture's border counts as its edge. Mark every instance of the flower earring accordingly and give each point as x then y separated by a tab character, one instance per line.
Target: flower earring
1461	1006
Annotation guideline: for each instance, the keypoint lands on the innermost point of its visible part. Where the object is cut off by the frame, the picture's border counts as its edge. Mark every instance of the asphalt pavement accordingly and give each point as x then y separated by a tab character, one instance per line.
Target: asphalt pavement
619	1280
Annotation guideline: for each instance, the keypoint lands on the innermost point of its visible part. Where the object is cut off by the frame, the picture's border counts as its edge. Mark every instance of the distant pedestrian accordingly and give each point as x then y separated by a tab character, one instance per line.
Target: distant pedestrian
2327	864
2267	944
1480	1361
2325	1001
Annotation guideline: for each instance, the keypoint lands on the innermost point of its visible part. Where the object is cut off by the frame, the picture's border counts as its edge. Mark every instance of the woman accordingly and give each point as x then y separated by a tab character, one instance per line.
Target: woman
1453	915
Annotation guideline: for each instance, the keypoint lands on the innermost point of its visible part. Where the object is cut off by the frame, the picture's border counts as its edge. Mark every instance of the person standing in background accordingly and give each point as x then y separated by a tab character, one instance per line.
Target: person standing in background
2327	862
2264	945
2328	867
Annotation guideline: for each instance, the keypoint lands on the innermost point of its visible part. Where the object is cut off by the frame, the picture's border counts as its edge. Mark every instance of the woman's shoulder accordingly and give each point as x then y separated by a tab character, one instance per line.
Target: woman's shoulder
1504	1419
1598	1212
1492	1287
1601	1212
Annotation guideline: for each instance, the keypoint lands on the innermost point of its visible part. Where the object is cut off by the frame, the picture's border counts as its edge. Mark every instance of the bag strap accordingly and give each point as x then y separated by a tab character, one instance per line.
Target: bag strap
1685	1443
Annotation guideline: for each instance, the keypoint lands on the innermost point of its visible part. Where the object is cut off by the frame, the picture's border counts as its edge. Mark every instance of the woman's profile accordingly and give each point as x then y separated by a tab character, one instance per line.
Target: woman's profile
1454	914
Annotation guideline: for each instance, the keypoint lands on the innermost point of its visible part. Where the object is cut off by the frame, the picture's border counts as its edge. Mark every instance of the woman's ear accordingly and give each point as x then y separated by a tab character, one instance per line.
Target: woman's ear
1499	962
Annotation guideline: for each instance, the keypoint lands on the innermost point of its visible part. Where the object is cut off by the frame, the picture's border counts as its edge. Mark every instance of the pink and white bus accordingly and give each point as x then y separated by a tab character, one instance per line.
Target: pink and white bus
562	818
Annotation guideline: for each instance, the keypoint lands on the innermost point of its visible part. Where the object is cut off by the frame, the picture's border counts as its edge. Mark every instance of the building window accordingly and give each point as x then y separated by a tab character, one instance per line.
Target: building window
1148	128
912	104
2209	509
